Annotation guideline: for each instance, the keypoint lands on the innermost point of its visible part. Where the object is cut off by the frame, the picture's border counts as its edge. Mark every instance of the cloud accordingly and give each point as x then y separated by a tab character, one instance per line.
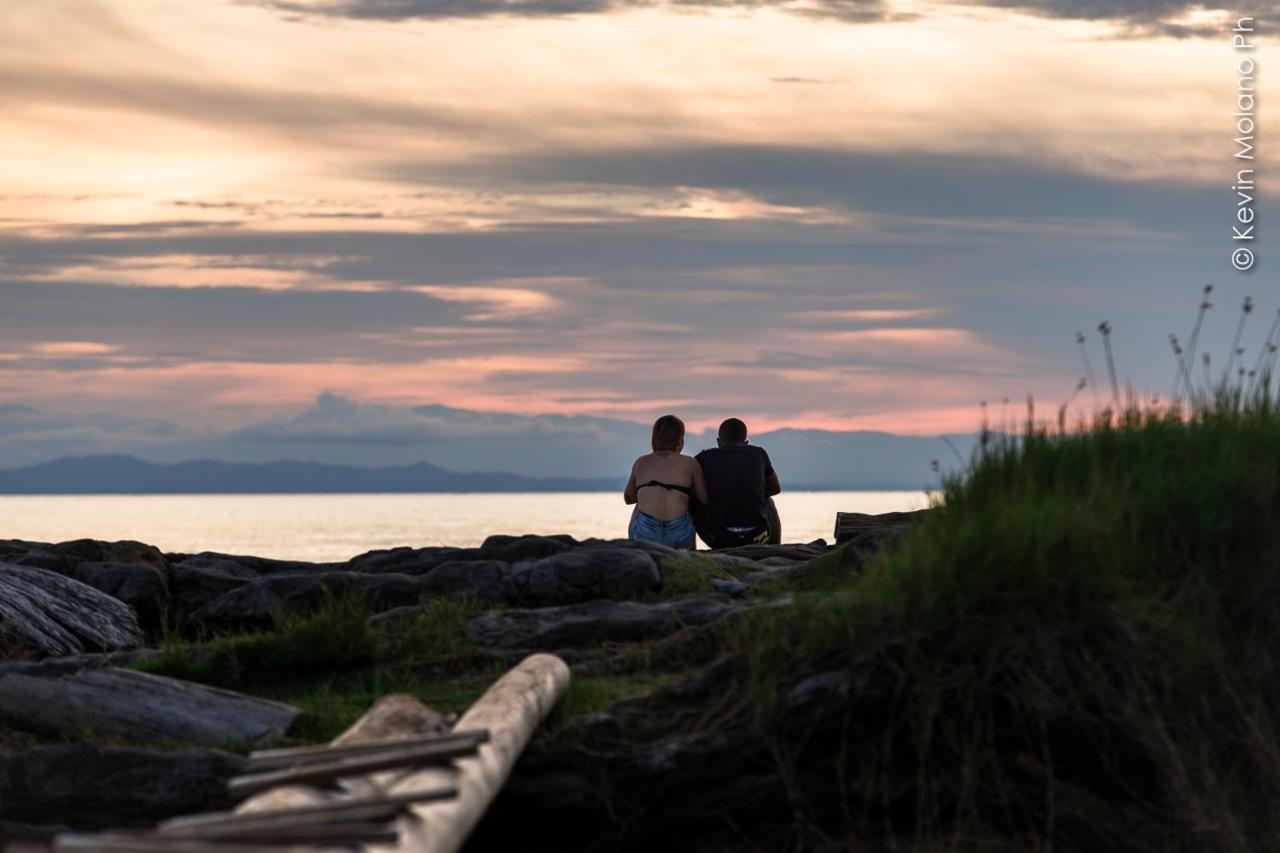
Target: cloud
403	10
1177	18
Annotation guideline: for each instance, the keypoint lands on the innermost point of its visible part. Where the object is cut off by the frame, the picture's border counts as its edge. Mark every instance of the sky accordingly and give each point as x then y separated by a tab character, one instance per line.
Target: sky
821	214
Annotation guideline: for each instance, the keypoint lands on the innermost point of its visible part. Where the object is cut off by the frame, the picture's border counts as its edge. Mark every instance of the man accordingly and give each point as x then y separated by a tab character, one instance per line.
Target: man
741	483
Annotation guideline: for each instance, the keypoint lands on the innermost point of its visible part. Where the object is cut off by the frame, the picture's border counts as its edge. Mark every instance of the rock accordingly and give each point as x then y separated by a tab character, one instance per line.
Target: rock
44	558
760	553
219	564
584	575
193	586
488	582
728	587
88	786
126	551
397	619
406	561
67	699
142	586
731	562
524	548
780	562
657	549
251	567
44	614
596	622
259	601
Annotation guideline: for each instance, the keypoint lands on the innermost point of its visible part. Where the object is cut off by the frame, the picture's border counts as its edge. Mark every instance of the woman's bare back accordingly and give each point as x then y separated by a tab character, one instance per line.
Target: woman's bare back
672	469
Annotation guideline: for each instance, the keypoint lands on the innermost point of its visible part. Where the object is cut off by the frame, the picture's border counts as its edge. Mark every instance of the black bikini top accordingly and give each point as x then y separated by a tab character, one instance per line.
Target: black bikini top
686	489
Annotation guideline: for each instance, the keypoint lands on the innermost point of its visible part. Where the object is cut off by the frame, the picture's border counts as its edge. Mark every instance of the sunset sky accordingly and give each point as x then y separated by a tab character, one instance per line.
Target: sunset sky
846	214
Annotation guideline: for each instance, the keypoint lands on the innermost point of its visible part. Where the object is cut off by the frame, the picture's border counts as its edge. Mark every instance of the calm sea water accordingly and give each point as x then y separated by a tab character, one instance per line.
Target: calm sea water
335	527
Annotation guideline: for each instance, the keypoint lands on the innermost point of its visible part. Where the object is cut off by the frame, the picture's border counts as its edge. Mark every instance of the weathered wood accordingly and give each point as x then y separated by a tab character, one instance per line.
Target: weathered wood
50	700
385	807
394	716
851	525
390	757
157	844
511	710
268	759
44	614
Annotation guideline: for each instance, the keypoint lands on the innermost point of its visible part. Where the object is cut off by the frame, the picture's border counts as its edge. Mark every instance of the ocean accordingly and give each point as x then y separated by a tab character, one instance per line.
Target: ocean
333	527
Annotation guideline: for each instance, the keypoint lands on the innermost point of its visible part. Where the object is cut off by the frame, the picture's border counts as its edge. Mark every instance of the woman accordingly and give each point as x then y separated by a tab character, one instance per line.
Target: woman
661	484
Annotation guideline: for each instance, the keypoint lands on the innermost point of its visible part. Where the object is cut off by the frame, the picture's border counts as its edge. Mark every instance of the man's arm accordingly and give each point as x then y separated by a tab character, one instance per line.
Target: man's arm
772	485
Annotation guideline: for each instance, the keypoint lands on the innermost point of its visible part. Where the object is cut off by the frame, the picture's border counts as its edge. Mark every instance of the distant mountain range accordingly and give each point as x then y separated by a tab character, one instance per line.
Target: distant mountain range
342	445
116	474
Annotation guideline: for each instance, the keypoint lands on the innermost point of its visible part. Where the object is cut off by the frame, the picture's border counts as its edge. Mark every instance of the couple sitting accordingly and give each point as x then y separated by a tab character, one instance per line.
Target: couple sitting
723	494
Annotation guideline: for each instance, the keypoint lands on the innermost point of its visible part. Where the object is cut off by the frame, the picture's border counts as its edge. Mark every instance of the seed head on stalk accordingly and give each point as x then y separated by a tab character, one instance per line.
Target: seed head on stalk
1105	328
1184	375
1194	340
1088	366
1266	347
1245	310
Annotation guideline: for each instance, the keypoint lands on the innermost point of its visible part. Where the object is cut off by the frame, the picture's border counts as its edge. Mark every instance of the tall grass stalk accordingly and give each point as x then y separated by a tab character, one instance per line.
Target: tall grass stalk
1194	340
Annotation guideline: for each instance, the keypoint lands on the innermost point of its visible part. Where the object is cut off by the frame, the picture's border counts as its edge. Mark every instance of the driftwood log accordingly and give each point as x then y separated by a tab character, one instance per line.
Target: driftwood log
43	614
57	699
510	710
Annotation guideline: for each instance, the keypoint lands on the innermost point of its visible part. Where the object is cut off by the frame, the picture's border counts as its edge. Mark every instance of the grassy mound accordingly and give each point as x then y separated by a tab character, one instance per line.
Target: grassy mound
1084	642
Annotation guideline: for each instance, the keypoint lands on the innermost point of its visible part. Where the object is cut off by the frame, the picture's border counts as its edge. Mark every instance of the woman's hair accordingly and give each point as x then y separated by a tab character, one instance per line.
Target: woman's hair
668	432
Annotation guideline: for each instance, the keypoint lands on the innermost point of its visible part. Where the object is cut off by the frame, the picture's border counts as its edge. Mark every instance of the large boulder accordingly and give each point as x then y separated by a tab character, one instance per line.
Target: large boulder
66	698
44	614
142	586
404	561
584	575
597	622
88	786
193	585
259	601
242	565
516	549
132	572
487	582
126	551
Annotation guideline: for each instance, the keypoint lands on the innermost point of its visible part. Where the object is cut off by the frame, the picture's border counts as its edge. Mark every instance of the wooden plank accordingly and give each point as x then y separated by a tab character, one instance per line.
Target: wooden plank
386	808
295	756
390	757
155	844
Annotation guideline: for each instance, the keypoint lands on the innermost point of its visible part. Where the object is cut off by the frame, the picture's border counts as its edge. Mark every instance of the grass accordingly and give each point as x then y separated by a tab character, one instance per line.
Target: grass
334	663
1086	629
686	574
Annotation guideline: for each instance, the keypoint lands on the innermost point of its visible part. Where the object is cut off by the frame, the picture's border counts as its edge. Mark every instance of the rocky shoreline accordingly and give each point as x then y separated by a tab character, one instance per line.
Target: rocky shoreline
74	616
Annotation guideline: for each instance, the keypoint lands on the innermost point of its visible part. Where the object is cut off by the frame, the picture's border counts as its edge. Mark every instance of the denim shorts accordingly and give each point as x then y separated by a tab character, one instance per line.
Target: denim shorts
674	532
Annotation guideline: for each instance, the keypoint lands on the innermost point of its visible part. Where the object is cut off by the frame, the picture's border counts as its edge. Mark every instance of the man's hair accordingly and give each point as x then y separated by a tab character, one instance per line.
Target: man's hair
668	430
733	431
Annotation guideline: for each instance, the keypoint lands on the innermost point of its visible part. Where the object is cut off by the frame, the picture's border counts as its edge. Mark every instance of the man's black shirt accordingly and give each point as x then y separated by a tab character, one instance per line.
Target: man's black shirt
736	485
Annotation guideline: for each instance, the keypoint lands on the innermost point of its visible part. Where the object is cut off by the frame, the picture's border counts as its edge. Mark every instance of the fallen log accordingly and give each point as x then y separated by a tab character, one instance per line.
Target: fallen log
51	700
43	614
510	710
